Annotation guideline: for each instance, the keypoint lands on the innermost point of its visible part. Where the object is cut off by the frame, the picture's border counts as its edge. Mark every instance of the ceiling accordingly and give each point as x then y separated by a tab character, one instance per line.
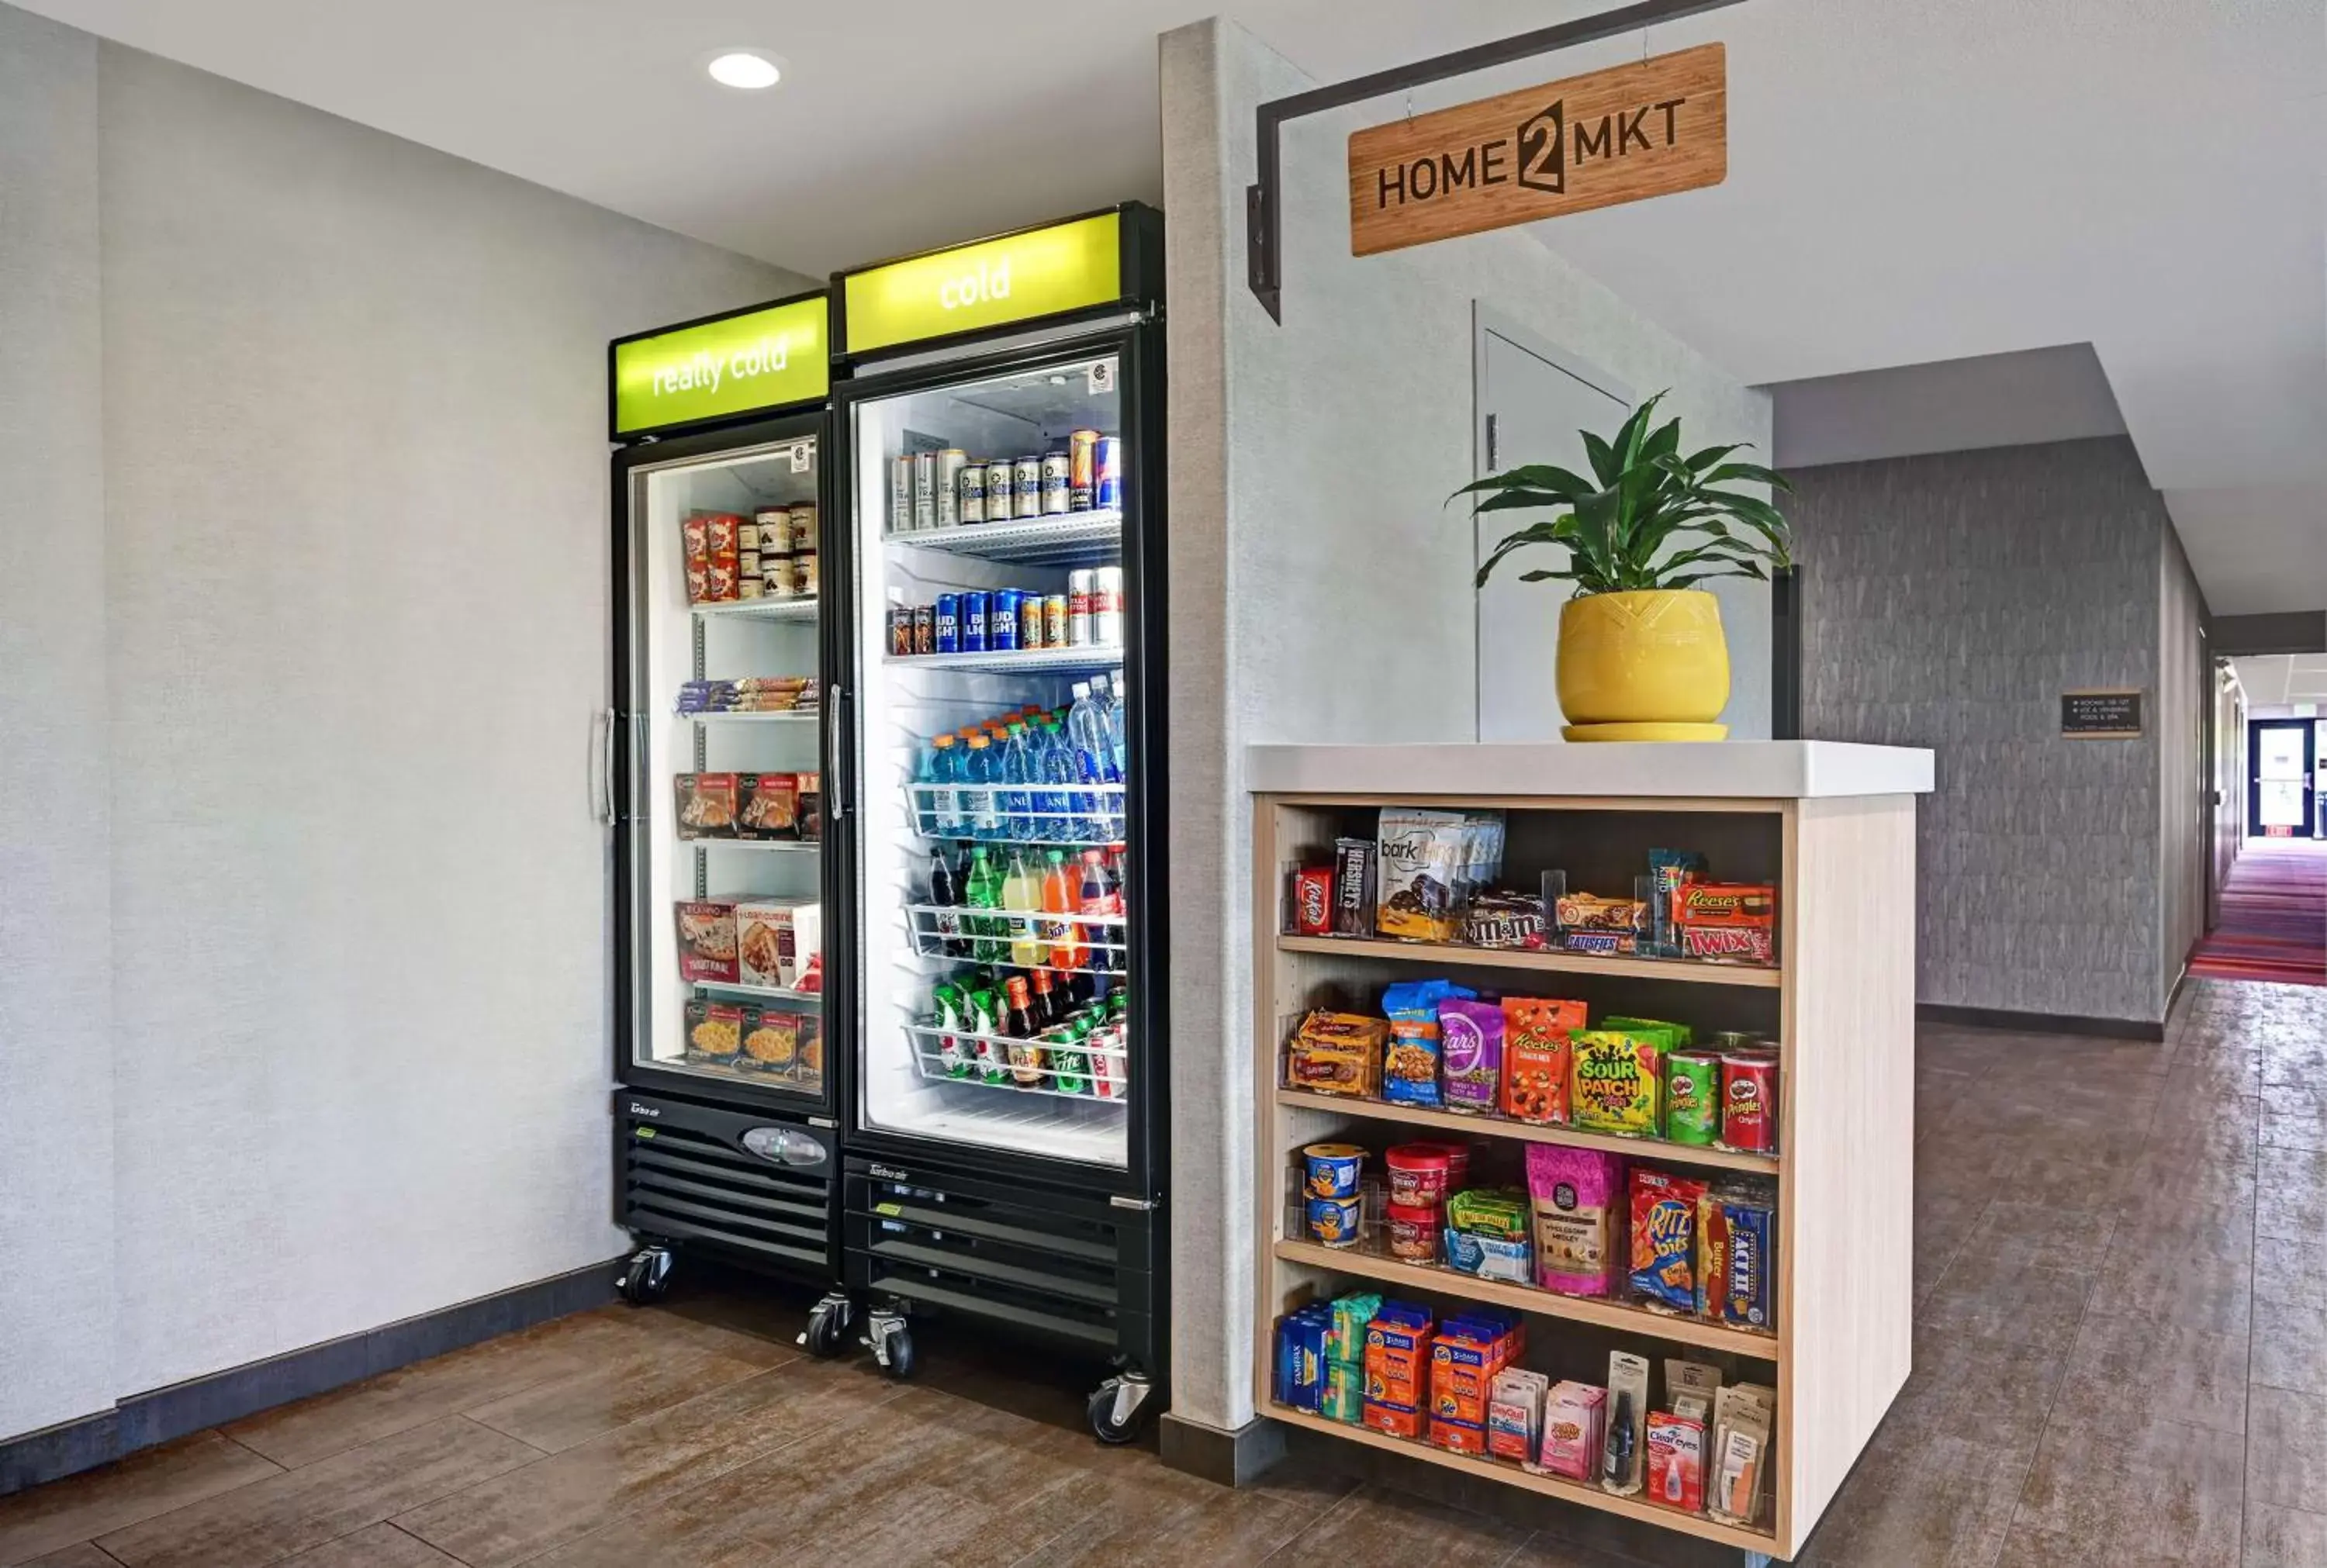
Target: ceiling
1916	182
2278	679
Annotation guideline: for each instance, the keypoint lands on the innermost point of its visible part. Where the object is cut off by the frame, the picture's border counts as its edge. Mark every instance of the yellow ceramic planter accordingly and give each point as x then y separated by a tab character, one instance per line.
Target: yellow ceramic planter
1644	665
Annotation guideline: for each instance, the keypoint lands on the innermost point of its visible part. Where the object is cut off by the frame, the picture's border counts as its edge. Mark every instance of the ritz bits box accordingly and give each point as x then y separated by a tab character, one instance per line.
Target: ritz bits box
1398	1369
1466	1356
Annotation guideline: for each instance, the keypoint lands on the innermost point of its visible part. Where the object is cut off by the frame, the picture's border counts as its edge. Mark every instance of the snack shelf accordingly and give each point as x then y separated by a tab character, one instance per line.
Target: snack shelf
1091	657
1099	805
1367	1264
1658	1148
1551	1486
1056	540
735	988
794	715
928	1056
803	608
1443	954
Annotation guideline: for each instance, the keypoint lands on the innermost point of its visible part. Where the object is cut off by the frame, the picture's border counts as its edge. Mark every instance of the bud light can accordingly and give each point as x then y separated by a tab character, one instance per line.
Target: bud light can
1002	625
997	491
1026	487
1054	484
1107	488
971	506
975	606
949	626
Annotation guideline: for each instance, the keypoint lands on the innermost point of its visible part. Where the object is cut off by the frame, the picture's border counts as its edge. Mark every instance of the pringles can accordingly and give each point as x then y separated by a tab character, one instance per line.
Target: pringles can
1748	1101
1693	1097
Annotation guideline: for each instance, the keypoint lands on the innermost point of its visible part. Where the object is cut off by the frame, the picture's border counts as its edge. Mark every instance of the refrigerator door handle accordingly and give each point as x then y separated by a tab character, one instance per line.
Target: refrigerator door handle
602	725
837	795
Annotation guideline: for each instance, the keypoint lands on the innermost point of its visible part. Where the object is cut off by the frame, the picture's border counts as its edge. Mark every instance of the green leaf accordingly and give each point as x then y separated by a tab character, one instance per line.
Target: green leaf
1603	458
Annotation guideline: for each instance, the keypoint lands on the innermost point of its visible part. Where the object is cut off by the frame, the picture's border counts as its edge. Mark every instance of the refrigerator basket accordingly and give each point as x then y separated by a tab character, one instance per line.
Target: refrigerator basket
1090	817
1069	944
1081	1072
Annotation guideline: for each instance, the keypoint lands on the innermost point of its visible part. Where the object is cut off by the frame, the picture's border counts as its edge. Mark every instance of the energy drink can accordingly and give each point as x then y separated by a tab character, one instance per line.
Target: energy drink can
950	463
1054	484
1054	620
1106	474
1030	621
997	491
1002	623
949	626
925	490
925	629
1026	487
901	496
1693	1097
971	506
1083	461
901	631
975	605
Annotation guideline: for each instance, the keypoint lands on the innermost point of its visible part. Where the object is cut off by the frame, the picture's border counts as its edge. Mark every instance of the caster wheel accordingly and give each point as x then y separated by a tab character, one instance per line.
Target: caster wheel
827	1327
892	1345
647	1277
1119	1408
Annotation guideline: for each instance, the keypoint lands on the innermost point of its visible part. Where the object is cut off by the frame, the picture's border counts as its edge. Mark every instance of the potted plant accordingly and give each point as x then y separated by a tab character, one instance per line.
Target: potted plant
1642	655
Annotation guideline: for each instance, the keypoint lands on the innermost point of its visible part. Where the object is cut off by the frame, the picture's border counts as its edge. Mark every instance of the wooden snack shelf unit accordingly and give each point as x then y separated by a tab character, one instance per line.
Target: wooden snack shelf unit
1844	1170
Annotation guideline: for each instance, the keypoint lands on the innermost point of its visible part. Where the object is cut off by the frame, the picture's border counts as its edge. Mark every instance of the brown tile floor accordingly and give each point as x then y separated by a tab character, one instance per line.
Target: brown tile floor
2121	1359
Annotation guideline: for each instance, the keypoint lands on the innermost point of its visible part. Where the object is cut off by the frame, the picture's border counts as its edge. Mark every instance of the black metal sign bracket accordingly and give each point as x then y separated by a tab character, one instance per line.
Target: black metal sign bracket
1264	206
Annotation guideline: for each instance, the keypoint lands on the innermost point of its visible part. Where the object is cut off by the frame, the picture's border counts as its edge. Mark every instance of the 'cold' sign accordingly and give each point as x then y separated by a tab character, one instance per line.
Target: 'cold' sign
1067	266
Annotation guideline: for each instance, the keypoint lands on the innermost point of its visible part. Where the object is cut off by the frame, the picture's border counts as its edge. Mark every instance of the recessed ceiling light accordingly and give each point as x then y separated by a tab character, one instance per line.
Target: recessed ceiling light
748	69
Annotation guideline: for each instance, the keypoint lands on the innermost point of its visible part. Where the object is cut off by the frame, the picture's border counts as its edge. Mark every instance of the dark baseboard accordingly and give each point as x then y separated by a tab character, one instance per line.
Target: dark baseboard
142	1420
2040	1022
1229	1458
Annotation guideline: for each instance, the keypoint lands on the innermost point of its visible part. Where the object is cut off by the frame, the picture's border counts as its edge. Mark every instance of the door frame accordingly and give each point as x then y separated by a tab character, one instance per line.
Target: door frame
2309	729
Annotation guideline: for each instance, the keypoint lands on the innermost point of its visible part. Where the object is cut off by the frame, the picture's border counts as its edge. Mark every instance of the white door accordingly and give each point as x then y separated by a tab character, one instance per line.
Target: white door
1531	404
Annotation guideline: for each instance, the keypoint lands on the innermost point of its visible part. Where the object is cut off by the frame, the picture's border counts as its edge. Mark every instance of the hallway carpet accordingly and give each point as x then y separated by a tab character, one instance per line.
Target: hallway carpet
2274	917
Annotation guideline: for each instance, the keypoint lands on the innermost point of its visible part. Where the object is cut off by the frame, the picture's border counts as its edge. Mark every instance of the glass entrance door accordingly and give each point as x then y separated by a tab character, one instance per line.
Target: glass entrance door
2283	782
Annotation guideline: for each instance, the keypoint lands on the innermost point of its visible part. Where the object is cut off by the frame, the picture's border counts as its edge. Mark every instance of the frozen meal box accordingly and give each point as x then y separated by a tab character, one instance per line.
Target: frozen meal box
705	804
767	941
706	939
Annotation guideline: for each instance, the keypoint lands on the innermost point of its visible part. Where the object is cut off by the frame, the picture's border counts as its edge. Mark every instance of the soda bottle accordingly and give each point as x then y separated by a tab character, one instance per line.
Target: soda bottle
1021	1000
1060	897
1047	1010
1018	766
1068	1063
1101	895
953	1054
1021	895
992	1060
945	892
985	892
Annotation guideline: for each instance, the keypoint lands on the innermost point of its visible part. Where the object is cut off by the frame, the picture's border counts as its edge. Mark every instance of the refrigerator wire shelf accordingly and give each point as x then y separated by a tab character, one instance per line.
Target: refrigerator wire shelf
1093	820
1105	1074
778	992
792	845
800	607
1097	656
1075	538
989	937
801	716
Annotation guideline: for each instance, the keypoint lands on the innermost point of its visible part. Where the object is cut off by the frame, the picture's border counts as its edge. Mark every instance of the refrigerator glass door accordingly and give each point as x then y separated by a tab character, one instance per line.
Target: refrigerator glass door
995	950
727	844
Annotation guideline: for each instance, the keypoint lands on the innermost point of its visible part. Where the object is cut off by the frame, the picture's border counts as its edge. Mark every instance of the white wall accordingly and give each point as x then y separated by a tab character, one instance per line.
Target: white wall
344	616
57	1045
1320	591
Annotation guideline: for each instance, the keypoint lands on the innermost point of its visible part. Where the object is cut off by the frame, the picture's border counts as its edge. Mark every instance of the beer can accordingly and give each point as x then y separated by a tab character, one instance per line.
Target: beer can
949	627
1002	622
998	491
1693	1097
925	629
901	631
1026	487
975	606
804	526
901	495
971	507
1106	607
1031	622
925	490
950	462
1083	464
1054	620
1054	484
1078	608
1106	474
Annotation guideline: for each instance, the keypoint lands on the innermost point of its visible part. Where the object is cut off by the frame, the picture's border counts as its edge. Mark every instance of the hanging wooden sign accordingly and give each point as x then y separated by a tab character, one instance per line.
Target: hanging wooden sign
1626	133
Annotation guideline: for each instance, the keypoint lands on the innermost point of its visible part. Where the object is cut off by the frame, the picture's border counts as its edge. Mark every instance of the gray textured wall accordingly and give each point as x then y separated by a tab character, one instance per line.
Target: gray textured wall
57	1045
320	603
1310	462
1949	602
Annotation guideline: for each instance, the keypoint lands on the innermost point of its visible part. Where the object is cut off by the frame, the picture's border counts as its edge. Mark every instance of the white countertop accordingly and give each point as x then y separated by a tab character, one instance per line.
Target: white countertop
1738	770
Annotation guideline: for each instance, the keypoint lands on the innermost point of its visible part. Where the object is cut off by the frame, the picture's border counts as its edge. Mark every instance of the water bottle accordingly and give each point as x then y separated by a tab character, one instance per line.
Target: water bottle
1054	810
980	808
937	809
1110	707
1089	741
1018	766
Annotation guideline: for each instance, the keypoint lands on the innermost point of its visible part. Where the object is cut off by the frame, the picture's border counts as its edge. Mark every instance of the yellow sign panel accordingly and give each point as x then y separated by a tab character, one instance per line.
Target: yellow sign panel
1622	134
760	359
1065	267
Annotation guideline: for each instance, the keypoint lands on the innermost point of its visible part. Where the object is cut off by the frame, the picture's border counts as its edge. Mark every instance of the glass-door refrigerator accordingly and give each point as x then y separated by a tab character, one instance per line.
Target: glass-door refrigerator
1001	425
726	1120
